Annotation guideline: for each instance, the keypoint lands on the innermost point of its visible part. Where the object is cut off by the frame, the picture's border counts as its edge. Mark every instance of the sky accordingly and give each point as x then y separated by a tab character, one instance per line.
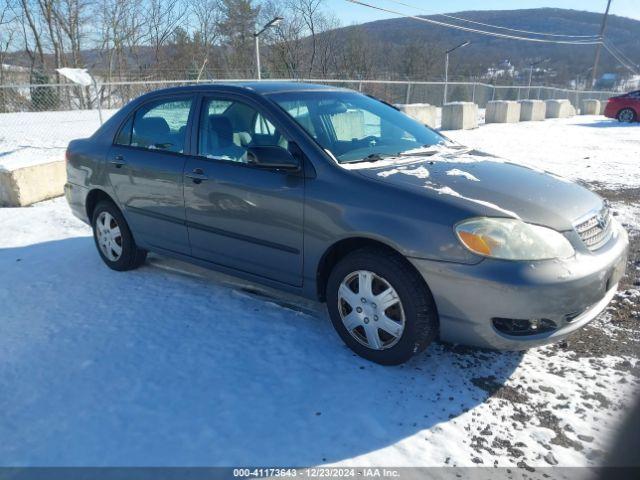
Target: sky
350	13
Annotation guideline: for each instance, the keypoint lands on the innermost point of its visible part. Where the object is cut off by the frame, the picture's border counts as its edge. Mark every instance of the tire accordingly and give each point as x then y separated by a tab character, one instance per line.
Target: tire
416	306
118	252
627	115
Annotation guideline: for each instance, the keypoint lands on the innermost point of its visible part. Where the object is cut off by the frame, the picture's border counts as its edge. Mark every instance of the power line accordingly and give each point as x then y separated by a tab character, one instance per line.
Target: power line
621	61
492	26
621	53
481	32
617	57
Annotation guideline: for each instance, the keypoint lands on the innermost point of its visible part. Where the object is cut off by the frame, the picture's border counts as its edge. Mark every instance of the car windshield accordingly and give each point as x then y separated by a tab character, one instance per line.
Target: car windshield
354	127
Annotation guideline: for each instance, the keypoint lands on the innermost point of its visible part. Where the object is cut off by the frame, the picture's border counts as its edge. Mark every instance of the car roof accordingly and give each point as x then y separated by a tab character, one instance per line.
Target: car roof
263	87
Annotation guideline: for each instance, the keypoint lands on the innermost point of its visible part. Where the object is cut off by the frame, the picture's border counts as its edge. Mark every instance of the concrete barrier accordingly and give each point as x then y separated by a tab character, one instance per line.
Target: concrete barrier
23	186
560	108
603	105
502	111
459	116
422	112
590	106
532	110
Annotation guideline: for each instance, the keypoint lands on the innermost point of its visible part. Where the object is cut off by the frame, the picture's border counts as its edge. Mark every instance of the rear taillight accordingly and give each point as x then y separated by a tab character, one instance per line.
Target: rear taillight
67	155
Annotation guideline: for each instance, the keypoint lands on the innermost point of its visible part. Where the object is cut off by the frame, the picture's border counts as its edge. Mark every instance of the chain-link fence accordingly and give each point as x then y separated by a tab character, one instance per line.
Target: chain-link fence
52	114
65	96
476	92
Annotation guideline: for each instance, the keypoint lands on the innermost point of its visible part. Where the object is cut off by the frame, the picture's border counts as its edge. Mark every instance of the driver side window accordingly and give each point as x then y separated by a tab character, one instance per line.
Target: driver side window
229	129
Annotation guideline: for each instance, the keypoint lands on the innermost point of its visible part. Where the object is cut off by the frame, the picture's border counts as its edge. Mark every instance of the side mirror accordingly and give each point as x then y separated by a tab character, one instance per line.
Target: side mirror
270	156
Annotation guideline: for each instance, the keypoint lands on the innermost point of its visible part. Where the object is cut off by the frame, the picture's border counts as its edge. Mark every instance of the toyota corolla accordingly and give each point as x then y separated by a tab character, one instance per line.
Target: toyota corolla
339	197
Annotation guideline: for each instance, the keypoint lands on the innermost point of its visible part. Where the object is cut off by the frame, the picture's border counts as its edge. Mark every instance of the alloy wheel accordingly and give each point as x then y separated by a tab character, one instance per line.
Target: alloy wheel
626	115
109	236
371	310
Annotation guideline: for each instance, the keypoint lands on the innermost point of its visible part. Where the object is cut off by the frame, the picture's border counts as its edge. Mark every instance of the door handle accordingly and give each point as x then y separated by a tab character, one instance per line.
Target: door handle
118	161
197	175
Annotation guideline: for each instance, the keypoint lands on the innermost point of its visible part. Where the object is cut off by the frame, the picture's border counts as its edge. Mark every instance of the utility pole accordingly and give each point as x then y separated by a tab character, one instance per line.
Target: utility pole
446	69
599	46
531	65
258	68
446	77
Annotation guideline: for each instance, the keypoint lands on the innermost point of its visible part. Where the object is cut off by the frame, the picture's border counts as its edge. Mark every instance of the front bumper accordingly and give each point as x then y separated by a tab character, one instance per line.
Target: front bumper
571	293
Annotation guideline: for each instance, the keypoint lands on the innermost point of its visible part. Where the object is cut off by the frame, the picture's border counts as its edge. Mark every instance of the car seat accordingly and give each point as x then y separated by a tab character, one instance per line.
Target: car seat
220	140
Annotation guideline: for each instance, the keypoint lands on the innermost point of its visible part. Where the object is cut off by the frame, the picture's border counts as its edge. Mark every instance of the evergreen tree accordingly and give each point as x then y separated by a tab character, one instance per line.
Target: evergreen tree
43	98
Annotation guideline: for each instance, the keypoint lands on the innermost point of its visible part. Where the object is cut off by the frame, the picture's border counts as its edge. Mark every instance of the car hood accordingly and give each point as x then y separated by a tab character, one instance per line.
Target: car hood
491	186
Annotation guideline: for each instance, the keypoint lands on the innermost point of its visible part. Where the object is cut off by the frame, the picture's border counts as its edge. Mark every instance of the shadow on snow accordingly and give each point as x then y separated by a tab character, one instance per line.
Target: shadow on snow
608	124
163	366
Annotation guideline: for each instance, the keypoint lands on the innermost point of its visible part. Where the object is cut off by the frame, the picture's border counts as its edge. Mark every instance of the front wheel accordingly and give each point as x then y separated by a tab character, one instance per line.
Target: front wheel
627	115
380	306
114	239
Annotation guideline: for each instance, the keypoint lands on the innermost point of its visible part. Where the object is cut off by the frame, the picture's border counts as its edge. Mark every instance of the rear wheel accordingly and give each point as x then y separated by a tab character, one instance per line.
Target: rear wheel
627	115
114	239
380	306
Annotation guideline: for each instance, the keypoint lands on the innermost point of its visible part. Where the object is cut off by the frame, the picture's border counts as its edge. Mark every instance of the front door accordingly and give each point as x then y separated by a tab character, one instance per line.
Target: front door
146	167
238	215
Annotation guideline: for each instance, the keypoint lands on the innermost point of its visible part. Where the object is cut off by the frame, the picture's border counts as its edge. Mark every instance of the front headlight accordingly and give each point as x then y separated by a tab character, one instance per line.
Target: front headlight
512	239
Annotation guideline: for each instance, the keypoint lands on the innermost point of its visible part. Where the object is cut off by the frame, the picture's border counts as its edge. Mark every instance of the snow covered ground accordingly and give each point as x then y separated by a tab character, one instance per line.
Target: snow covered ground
175	365
591	148
30	138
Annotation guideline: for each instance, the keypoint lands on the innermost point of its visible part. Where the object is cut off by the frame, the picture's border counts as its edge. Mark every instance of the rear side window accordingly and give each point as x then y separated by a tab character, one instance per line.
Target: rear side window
160	125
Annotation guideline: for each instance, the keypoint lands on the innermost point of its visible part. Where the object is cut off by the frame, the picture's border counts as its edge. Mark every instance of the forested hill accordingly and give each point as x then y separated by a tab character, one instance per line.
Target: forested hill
408	43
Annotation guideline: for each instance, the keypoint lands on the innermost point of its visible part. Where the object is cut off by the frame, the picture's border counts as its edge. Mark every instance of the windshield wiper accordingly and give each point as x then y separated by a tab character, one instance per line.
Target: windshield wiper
372	157
425	150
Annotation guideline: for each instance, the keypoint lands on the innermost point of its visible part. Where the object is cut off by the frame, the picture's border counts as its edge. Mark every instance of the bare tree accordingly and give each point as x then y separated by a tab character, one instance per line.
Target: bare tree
303	43
121	31
153	34
8	31
328	45
308	12
286	50
207	15
355	59
71	19
31	32
162	18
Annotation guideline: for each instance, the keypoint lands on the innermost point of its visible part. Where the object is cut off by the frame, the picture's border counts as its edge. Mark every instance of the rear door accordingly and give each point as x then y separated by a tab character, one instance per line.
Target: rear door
239	215
146	170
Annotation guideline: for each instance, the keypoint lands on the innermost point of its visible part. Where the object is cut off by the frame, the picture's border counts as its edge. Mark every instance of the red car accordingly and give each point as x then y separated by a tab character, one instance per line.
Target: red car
626	108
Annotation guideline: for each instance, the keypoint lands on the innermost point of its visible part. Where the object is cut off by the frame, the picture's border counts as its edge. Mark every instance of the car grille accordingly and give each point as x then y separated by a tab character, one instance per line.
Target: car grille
595	231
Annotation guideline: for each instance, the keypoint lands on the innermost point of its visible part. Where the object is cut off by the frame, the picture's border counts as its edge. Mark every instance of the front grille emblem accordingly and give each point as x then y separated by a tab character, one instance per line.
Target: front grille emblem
596	230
